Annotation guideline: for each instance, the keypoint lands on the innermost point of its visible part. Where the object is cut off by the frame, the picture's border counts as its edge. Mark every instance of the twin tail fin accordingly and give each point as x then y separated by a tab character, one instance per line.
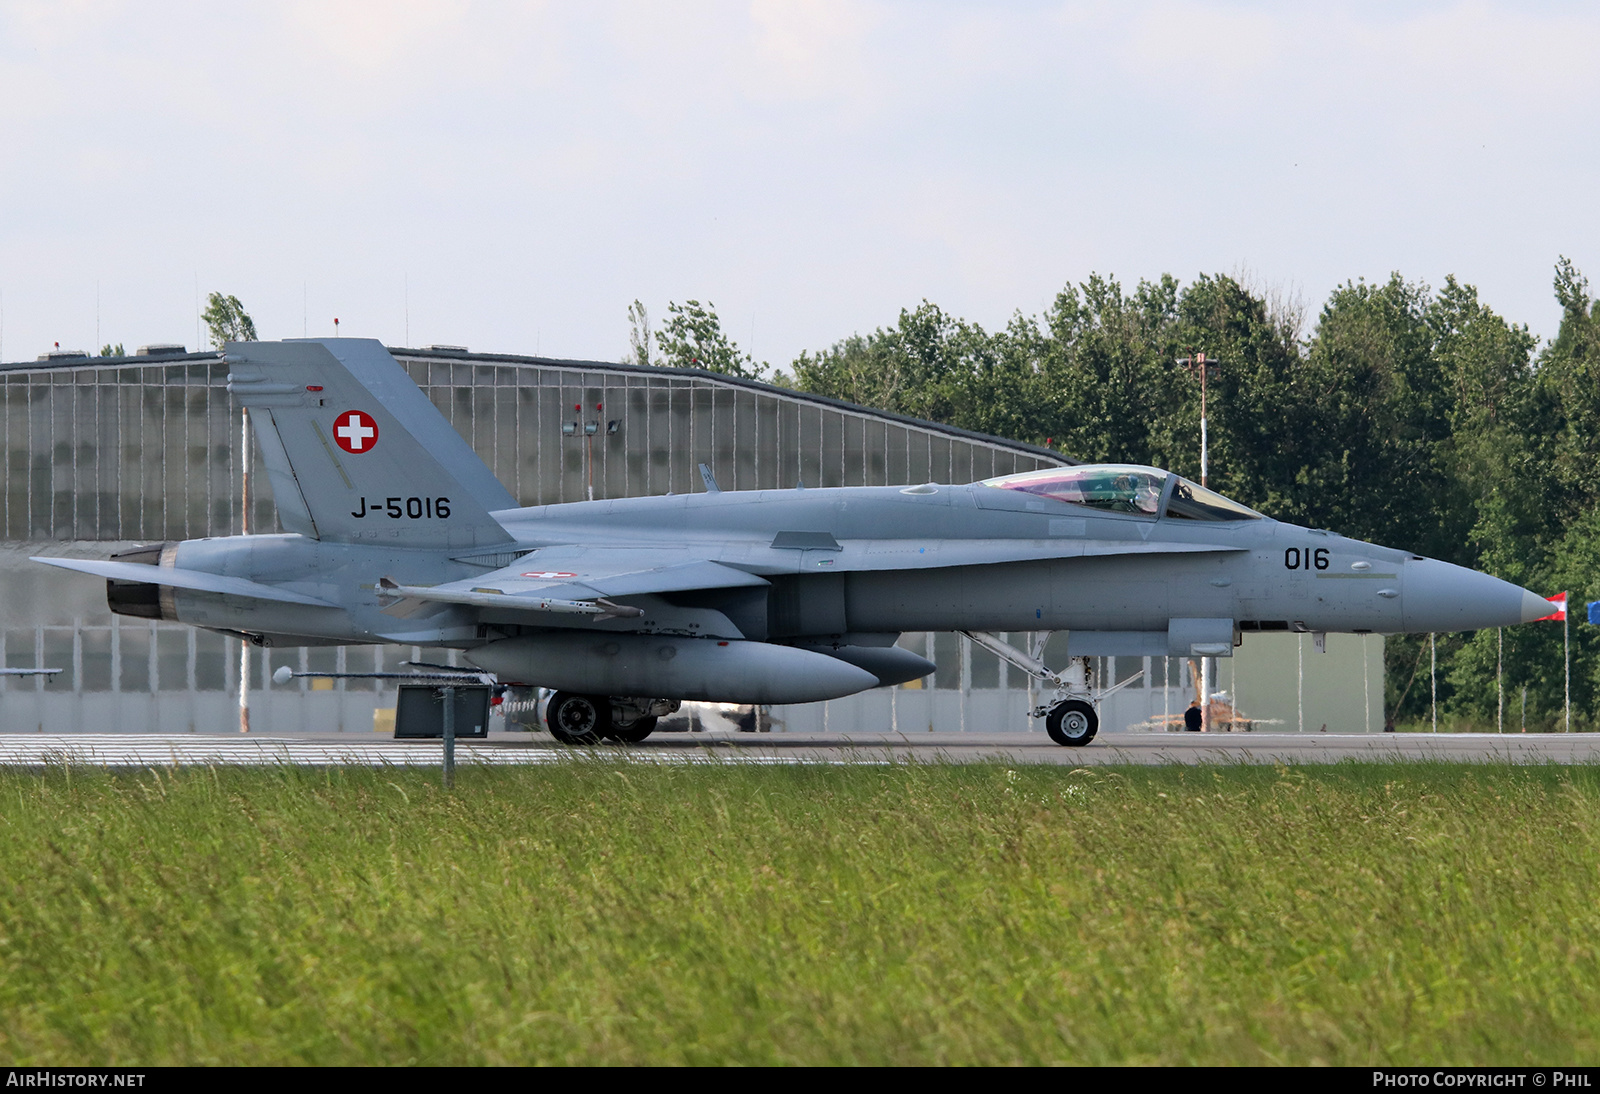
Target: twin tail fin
356	452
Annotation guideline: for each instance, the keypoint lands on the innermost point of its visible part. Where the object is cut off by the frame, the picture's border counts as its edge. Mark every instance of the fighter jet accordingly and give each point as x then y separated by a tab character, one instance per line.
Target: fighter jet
398	533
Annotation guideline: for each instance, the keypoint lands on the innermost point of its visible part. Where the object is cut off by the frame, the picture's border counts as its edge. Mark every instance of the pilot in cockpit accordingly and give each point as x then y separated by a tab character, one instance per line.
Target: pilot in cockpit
1147	496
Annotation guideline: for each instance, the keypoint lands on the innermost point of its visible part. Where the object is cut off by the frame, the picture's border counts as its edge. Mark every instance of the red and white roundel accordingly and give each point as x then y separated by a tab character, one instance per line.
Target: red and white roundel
547	575
355	431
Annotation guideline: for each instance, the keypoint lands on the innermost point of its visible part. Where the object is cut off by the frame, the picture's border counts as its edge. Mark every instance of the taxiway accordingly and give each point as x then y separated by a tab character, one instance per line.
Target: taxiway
130	750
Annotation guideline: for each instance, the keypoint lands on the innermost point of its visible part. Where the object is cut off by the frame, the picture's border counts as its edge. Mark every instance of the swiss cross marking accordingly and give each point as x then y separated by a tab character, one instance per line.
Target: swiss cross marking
356	432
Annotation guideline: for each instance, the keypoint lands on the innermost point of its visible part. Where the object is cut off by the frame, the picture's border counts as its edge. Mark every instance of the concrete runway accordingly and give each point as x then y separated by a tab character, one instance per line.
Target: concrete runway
122	750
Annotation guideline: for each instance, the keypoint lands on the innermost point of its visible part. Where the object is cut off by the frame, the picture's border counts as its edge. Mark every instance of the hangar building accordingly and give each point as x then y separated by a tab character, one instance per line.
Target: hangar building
104	453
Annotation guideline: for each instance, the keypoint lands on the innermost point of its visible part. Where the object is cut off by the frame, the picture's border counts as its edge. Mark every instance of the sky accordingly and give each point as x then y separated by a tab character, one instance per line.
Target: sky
510	176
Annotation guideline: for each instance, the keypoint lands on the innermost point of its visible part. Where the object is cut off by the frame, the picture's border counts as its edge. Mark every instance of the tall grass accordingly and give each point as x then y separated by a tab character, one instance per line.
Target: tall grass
1352	914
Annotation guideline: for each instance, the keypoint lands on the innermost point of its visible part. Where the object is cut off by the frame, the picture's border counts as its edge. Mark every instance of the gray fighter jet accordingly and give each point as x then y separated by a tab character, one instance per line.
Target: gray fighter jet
399	533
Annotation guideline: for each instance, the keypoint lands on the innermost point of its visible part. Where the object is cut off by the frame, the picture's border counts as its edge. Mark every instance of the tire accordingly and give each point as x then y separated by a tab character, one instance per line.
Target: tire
1073	723
577	719
634	733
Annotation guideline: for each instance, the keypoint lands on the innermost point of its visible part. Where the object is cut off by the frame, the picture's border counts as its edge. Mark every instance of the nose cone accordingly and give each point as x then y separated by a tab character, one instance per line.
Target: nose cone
1441	597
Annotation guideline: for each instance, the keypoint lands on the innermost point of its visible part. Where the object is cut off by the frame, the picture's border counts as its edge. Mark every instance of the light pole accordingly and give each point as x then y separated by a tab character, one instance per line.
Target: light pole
1202	366
244	529
589	429
1198	363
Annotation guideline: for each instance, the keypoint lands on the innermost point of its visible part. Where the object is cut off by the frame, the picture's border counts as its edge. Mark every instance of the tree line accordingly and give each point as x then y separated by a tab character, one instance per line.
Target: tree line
1409	416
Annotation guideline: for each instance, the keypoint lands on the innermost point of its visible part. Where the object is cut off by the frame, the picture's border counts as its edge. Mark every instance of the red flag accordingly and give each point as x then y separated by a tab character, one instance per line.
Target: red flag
1559	602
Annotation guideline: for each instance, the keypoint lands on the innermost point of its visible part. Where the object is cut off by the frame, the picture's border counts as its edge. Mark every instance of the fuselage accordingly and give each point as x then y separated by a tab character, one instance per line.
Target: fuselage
399	533
873	559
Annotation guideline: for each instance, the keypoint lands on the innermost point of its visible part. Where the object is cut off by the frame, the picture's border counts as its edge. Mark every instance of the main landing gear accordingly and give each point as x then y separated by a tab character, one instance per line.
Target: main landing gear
575	719
578	719
1070	717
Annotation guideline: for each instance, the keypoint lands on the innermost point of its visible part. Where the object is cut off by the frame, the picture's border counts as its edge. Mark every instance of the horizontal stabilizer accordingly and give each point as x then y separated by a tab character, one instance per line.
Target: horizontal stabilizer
184	579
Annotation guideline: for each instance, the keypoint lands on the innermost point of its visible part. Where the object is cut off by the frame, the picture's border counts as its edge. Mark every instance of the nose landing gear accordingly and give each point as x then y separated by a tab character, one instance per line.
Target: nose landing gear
1070	717
1072	722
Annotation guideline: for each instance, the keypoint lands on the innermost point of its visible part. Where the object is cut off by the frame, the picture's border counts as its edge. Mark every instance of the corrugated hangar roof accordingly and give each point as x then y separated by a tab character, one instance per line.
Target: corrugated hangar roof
446	353
147	447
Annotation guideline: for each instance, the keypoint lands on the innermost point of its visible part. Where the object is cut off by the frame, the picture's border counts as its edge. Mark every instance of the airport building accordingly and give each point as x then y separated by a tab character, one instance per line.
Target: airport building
103	454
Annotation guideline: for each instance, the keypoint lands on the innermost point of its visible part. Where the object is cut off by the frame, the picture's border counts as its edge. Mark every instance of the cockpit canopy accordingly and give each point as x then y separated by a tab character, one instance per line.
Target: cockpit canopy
1126	488
1192	501
1114	487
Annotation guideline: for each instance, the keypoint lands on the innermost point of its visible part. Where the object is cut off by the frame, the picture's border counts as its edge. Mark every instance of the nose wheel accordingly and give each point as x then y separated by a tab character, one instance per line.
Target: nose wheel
1072	723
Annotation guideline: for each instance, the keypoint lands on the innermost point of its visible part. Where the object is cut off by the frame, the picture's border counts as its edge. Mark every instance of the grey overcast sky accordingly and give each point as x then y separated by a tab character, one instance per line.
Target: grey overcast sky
521	172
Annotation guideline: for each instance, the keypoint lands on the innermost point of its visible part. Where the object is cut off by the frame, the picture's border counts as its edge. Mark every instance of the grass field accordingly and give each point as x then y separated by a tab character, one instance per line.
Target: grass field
590	912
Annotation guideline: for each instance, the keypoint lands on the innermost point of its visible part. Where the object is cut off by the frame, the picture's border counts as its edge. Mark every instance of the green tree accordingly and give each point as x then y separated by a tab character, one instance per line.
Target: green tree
1355	451
1089	376
1530	459
638	335
1565	415
926	365
227	321
692	337
108	350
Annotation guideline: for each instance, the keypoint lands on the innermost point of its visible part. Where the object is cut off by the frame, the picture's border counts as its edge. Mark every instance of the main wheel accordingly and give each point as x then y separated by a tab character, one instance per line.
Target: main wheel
634	732
577	719
1072	722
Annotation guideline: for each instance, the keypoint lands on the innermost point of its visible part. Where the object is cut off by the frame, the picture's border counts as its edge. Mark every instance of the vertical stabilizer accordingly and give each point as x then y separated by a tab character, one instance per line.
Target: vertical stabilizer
356	452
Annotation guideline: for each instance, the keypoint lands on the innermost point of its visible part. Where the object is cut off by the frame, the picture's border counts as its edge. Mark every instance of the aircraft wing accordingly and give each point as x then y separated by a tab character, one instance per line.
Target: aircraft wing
576	580
183	579
620	571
